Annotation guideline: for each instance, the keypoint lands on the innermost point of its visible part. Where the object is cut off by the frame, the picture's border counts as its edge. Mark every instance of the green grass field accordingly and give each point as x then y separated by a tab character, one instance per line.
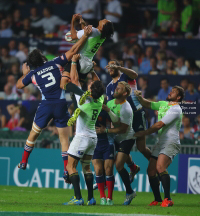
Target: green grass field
17	201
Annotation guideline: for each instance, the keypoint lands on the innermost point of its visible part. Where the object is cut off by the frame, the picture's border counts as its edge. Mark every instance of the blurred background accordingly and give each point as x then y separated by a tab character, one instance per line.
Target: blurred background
159	39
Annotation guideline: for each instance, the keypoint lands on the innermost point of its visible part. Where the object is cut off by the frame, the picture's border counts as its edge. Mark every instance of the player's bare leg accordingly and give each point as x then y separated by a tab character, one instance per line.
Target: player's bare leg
110	179
154	181
141	146
120	161
64	140
162	163
30	143
100	180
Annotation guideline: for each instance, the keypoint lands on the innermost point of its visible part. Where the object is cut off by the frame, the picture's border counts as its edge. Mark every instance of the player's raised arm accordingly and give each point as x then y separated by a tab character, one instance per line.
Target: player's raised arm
75	18
25	79
144	102
77	46
73	73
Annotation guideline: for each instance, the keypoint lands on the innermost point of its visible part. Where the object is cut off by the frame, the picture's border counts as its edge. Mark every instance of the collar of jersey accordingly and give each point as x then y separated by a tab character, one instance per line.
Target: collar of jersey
121	102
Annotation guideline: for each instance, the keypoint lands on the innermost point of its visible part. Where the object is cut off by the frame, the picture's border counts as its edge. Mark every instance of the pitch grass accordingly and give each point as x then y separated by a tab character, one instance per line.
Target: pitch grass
23	199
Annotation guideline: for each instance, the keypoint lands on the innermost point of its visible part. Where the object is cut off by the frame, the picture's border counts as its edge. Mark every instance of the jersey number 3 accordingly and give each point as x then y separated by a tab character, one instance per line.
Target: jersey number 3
50	77
94	114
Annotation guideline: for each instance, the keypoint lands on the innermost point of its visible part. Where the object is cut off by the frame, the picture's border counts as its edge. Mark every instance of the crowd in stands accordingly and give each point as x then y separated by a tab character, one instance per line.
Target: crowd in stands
173	19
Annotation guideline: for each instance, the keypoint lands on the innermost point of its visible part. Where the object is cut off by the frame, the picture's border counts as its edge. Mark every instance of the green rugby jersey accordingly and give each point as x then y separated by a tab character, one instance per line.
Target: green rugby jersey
85	124
171	116
92	44
125	113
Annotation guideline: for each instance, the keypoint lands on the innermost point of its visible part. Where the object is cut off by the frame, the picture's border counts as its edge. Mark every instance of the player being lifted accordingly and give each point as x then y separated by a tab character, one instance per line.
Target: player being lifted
84	142
121	114
46	75
168	145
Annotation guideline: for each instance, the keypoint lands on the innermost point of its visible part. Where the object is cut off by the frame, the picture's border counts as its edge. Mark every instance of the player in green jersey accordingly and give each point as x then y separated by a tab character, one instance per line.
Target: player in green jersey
84	142
168	145
121	114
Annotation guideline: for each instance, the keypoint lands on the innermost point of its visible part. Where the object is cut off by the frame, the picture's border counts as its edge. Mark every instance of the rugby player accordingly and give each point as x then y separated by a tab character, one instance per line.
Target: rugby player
99	35
168	145
121	114
46	75
84	142
103	158
118	74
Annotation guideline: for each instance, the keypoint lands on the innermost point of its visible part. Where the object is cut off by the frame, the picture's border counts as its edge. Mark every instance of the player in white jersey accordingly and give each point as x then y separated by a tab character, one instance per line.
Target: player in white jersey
168	145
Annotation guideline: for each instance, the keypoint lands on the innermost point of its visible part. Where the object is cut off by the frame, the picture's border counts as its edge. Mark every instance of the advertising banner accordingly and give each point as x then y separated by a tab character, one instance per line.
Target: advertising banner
45	169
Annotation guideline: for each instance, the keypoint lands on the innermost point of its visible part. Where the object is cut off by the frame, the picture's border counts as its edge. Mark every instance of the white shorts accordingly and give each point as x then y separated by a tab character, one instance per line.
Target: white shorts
85	64
82	145
171	150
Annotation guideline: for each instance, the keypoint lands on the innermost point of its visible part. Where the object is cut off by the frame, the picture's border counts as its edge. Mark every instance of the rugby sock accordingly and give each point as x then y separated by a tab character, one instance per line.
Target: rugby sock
65	159
165	179
101	183
132	166
154	183
125	178
110	181
27	150
75	180
89	182
71	87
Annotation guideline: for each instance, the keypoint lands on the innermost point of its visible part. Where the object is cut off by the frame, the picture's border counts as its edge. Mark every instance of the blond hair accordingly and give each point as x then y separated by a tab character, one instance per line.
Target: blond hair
127	87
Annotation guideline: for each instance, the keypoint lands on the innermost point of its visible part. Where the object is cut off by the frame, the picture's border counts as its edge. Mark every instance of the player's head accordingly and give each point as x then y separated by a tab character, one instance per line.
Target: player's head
106	28
36	58
123	90
177	94
96	88
113	71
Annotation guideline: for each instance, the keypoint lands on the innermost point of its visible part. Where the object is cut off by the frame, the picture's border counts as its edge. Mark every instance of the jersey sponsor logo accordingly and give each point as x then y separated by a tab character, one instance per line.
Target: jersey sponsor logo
44	70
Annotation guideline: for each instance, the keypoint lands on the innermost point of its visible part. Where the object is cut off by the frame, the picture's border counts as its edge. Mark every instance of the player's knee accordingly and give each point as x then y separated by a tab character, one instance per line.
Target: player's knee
119	166
151	171
35	132
160	168
109	170
86	166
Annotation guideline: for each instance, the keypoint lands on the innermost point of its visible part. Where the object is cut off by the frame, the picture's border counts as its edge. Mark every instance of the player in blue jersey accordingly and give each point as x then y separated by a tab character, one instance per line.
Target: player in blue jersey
103	158
118	74
47	75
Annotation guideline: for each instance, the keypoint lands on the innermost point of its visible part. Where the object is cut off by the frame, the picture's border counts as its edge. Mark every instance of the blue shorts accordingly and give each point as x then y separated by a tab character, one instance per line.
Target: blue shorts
139	121
47	110
104	150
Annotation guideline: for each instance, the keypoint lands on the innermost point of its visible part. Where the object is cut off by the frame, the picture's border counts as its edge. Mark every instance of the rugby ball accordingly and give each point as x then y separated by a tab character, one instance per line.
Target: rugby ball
68	37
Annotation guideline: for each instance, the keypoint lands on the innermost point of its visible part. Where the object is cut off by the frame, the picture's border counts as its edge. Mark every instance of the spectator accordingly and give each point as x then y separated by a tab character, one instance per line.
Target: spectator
2	120
153	63
166	8
15	71
90	11
197	125
186	17
143	84
149	22
5	32
49	22
192	67
184	83
113	12
161	63
21	55
102	60
12	48
191	94
170	67
145	66
181	69
129	63
34	15
165	89
8	95
7	60
136	54
113	55
12	81
186	132
17	21
126	53
163	47
9	19
175	30
28	93
26	30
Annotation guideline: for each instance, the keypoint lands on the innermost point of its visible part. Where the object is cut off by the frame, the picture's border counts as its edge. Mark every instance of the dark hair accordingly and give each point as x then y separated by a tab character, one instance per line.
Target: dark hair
49	9
5	47
153	57
36	58
163	39
181	92
131	60
172	59
97	89
185	80
107	31
164	79
145	79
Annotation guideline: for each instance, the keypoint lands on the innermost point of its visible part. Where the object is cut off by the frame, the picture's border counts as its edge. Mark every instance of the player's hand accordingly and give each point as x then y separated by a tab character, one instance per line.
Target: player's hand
87	30
139	134
104	107
100	130
76	57
138	93
25	69
76	17
112	66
